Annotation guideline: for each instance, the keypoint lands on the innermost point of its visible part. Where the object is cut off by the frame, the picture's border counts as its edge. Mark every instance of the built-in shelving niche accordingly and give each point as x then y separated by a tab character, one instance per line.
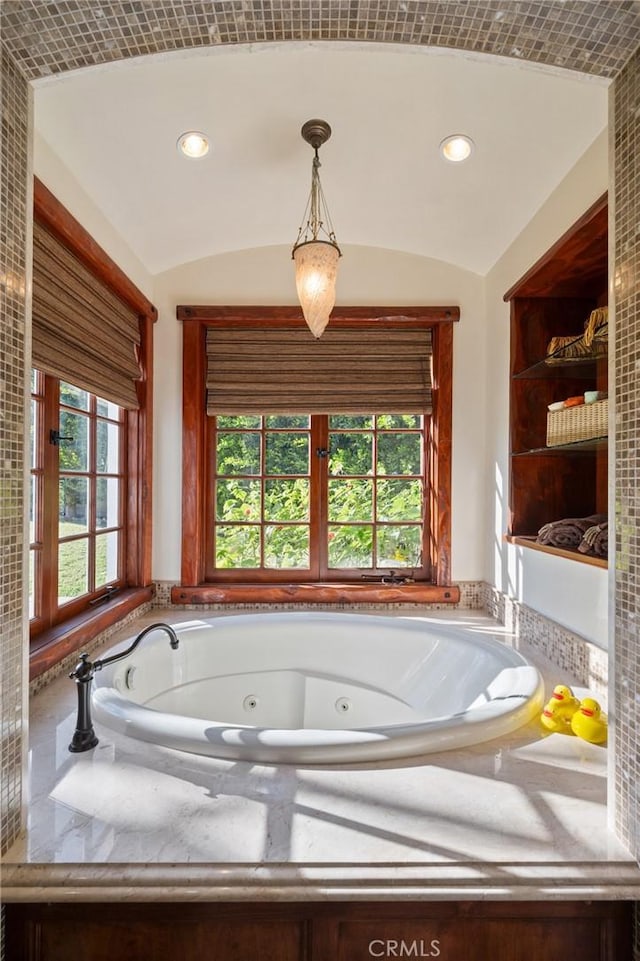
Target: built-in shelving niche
555	298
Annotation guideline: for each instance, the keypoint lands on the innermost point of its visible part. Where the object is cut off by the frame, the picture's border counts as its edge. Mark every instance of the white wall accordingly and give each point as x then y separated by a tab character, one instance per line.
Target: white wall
569	592
61	182
366	276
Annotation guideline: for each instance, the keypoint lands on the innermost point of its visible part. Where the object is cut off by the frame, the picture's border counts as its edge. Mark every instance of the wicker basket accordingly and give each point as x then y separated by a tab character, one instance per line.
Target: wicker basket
577	423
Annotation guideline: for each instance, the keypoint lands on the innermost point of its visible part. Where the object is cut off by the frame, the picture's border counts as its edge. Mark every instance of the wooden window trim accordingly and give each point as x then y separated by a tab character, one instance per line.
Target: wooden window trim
58	642
320	572
55	643
56	613
193	587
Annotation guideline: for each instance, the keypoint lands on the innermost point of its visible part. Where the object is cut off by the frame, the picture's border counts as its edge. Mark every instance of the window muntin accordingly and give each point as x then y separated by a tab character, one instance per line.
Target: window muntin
36	482
262	492
283	502
376	520
77	499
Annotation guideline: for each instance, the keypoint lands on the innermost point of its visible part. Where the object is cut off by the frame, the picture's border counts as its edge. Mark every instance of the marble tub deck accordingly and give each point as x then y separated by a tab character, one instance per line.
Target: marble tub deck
524	817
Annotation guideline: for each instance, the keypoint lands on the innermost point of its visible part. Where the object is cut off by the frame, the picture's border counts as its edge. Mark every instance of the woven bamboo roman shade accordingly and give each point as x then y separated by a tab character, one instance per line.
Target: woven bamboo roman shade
82	332
350	370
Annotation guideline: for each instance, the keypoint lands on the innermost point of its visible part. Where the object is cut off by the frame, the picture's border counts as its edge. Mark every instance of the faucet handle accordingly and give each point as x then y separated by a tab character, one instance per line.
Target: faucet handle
83	669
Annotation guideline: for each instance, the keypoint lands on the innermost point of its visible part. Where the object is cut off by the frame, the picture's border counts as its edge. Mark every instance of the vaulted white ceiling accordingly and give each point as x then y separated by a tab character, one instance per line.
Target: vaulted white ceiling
386	184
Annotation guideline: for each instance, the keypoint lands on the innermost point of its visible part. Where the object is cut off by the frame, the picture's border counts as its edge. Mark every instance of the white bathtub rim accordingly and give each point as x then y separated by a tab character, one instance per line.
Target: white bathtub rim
515	680
217	739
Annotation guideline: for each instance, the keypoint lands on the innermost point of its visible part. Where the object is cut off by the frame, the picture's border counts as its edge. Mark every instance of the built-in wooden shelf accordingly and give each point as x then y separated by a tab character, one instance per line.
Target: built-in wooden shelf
555	299
523	541
589	446
556	367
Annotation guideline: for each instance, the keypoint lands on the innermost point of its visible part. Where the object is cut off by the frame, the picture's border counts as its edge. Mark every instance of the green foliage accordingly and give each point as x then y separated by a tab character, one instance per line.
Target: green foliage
287	421
350	500
238	453
350	454
399	454
237	546
71	396
238	500
407	421
73	501
350	422
248	510
351	546
286	546
287	453
238	421
286	499
74	454
399	546
399	500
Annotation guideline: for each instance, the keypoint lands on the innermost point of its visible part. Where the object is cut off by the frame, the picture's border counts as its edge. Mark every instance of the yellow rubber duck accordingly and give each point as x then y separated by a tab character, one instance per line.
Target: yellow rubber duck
566	702
553	719
589	723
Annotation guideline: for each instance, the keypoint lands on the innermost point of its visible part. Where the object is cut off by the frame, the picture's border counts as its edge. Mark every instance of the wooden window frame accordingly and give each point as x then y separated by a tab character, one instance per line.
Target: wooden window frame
51	612
319	433
54	643
194	588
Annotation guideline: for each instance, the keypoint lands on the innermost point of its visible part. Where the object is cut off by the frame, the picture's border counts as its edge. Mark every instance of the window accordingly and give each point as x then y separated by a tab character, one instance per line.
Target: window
317	496
286	499
78	467
91	442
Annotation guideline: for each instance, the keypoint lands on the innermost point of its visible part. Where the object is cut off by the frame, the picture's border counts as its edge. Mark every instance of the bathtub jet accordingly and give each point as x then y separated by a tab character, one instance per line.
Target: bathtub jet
319	688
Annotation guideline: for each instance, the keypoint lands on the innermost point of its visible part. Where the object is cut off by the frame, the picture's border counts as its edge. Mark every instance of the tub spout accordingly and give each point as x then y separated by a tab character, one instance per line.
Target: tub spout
84	737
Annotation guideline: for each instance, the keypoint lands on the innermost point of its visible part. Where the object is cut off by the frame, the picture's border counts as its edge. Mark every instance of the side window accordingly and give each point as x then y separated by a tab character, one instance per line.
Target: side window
77	498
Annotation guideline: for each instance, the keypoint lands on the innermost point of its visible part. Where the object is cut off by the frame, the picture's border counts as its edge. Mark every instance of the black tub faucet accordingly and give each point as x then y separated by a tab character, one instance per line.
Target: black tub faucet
84	737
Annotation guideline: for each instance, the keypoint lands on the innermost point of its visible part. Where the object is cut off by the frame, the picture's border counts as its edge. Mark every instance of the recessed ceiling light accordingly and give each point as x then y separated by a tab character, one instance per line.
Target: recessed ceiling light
456	148
193	144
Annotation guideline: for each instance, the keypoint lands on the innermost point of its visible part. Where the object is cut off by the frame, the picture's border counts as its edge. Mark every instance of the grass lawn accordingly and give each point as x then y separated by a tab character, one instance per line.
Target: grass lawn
73	562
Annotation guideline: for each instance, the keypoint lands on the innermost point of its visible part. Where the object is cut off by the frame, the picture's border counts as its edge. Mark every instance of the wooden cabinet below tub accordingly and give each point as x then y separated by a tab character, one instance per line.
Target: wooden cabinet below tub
320	931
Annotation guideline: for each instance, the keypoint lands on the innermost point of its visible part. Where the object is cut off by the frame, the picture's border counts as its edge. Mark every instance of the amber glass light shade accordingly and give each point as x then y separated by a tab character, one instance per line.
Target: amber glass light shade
316	271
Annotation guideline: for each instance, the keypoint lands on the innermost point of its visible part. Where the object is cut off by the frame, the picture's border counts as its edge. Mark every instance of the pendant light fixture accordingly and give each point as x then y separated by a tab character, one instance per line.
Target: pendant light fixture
315	252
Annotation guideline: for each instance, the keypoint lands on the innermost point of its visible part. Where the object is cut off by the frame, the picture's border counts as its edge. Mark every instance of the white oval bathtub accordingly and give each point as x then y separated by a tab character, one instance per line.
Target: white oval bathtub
318	687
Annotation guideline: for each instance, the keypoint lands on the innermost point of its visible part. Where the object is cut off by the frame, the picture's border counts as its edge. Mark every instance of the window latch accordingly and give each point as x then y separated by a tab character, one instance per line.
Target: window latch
322	452
108	594
55	437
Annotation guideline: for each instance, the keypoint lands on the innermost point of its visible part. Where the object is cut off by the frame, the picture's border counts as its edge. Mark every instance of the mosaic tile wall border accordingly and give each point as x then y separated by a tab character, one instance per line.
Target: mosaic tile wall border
470	598
590	36
14	193
569	652
624	110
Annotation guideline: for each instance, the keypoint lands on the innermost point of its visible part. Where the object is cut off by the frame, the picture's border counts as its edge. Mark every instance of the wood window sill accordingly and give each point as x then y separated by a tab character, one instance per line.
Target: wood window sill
50	647
523	541
317	593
